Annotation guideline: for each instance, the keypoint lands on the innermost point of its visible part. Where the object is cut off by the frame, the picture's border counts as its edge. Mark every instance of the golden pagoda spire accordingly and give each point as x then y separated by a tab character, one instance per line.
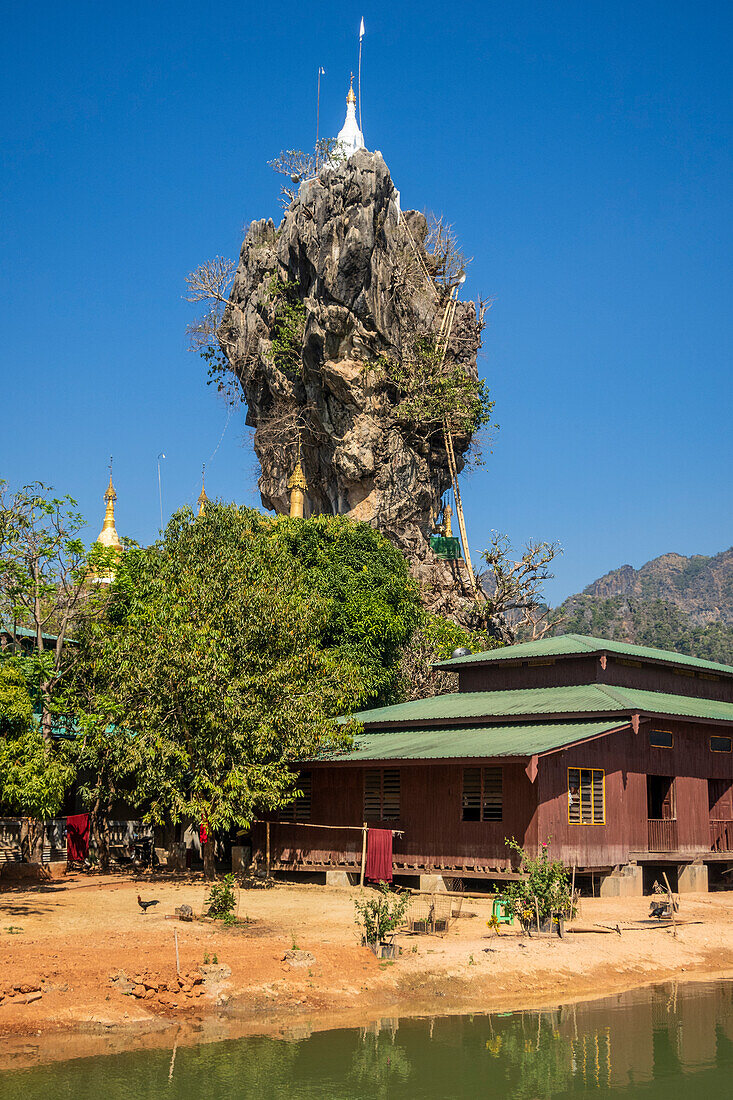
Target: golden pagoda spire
203	499
447	528
108	535
351	98
297	487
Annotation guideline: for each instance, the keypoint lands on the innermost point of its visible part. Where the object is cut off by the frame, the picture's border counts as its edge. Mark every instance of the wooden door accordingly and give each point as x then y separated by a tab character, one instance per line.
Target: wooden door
720	799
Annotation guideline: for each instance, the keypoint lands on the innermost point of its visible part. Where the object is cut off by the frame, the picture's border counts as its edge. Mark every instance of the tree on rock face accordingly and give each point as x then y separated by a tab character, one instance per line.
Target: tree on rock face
229	646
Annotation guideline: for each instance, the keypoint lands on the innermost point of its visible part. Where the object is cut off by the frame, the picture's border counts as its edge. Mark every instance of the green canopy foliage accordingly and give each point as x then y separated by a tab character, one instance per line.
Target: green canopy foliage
228	647
33	776
433	391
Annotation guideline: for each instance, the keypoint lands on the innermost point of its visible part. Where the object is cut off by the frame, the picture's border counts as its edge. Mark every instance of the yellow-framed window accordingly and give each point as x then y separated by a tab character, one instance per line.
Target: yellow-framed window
586	796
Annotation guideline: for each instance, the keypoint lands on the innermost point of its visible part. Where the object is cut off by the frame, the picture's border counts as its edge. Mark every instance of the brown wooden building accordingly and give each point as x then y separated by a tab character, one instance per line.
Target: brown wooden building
621	754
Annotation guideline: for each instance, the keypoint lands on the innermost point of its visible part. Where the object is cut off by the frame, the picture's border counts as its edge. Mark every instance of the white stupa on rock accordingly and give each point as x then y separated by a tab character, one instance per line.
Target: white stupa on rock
350	137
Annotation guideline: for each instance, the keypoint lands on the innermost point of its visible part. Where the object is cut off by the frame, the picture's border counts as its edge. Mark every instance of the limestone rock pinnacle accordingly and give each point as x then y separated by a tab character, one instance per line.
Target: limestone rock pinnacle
345	251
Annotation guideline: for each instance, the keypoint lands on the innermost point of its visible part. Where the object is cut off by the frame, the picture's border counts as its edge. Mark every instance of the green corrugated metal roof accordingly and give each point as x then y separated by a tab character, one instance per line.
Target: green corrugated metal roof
573	699
477	742
567	645
6	627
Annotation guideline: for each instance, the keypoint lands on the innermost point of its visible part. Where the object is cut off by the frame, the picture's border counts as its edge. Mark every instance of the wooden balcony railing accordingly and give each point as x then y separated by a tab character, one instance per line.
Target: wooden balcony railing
662	835
721	836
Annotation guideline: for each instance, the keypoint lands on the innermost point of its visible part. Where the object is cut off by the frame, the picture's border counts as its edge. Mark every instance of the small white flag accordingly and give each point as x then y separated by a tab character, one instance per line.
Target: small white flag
361	29
321	72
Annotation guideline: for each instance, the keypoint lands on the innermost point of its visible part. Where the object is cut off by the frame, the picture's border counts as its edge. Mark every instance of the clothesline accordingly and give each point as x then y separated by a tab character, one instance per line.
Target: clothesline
312	825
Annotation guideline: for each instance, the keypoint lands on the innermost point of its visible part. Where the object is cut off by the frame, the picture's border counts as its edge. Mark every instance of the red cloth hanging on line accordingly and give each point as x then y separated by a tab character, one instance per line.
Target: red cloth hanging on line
379	855
77	838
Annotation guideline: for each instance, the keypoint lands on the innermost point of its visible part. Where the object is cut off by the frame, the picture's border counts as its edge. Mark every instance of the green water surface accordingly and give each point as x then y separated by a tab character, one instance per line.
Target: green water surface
665	1042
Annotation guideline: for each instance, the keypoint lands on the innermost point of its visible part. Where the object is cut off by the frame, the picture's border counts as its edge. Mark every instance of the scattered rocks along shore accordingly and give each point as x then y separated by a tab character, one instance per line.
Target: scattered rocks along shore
169	993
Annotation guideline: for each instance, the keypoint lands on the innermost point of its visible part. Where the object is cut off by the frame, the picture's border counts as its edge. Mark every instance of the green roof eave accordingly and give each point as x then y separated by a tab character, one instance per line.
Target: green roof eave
576	645
570	701
472	743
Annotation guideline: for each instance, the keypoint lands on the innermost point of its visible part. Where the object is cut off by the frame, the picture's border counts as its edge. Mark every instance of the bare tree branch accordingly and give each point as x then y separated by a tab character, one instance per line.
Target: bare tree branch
512	588
211	281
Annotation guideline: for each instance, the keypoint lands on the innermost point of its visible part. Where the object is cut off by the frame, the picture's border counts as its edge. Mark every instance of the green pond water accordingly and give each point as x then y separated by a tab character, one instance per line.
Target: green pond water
666	1042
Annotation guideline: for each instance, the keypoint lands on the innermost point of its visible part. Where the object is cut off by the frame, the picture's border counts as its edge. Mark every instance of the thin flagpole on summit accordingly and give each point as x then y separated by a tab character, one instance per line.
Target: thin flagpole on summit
361	35
321	72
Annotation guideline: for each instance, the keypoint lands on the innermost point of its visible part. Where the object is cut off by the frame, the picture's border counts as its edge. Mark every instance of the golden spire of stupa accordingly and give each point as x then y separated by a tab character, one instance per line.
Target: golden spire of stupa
447	528
108	535
297	487
203	499
351	98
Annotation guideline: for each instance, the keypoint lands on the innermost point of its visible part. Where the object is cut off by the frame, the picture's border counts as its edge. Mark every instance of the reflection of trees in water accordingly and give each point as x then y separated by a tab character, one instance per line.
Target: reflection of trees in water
259	1067
378	1064
535	1059
592	1058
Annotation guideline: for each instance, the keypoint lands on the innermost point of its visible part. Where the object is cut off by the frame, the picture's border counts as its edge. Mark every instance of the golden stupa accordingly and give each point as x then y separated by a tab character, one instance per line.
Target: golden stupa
108	537
203	499
297	487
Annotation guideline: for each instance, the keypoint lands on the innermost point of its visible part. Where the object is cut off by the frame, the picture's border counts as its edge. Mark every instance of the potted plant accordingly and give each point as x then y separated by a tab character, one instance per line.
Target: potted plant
379	916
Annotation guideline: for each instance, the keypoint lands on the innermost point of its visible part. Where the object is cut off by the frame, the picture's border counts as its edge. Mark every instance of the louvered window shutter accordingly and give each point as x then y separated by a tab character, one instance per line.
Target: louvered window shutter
493	794
300	809
373	794
599	806
382	794
471	794
586	796
390	794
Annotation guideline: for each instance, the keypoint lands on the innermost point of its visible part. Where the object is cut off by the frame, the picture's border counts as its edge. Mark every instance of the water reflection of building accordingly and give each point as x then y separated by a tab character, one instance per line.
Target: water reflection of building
623	1041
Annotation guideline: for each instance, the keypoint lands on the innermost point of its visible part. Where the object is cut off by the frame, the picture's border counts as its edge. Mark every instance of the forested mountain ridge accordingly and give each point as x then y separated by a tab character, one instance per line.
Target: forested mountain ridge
674	602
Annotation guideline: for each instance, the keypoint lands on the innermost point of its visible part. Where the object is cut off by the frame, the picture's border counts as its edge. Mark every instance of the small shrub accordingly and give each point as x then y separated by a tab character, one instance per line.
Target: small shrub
207	960
215	960
547	881
221	900
378	916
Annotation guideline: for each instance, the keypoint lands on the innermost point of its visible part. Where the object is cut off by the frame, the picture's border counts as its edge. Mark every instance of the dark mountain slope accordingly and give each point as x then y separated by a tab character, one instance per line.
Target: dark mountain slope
678	603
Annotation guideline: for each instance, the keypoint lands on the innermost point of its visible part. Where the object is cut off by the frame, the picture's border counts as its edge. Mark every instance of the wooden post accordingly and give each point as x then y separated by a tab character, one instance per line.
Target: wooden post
572	895
671	903
537	914
178	961
267	848
363	852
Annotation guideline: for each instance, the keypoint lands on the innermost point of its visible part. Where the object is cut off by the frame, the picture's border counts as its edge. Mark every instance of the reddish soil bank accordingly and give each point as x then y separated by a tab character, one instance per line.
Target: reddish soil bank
80	962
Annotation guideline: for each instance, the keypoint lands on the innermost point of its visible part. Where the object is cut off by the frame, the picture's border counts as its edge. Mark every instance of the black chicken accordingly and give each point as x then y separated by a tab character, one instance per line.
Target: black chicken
659	909
145	905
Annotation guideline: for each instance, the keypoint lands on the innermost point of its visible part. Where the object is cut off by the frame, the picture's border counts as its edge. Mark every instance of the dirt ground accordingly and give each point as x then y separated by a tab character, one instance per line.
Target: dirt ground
83	971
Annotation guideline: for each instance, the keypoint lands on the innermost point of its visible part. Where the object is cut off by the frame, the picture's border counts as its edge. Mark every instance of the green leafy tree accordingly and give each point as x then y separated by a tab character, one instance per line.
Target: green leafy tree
106	758
229	646
46	576
435	639
33	779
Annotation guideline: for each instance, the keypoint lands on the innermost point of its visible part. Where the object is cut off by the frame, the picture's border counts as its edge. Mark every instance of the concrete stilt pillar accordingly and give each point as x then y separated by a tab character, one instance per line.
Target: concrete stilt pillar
692	878
432	884
623	882
340	878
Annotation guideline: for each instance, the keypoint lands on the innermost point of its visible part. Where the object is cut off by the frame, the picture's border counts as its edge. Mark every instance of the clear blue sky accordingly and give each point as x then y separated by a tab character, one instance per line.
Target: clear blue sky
582	151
